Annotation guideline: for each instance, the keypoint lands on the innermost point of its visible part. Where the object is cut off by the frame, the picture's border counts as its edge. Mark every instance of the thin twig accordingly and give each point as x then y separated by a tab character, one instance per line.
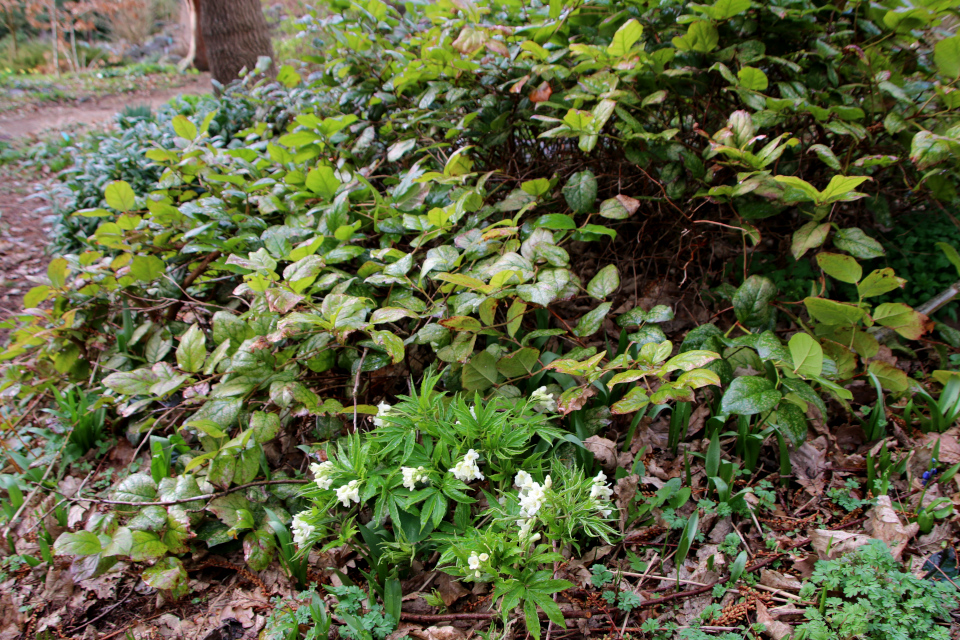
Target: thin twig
206	496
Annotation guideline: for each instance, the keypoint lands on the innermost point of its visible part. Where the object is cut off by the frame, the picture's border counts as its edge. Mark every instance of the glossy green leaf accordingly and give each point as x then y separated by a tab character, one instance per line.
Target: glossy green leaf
749	395
604	283
807	355
580	191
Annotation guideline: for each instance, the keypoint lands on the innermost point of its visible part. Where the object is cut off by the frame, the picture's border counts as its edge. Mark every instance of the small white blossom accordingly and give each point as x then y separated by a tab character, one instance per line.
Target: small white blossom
467	469
474	562
601	493
412	476
532	494
383	409
543	401
473	412
323	474
301	530
349	492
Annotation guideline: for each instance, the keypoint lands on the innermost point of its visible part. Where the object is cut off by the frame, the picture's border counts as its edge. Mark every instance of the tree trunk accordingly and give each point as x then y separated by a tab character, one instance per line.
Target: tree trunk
235	35
200	60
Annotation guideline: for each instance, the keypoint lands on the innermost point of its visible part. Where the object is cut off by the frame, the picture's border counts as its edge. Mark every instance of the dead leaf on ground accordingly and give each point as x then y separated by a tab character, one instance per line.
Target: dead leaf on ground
777	580
450	589
438	633
949	446
830	545
772	627
884	524
604	449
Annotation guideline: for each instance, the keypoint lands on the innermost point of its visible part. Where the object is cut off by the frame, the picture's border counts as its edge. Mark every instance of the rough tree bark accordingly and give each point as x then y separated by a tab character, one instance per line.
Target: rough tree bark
234	34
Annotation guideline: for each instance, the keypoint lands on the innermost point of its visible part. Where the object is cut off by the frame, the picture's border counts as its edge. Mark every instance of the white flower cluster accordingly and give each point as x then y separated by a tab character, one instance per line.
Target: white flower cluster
301	529
467	469
525	527
412	476
349	492
474	562
532	493
323	474
544	402
383	409
601	493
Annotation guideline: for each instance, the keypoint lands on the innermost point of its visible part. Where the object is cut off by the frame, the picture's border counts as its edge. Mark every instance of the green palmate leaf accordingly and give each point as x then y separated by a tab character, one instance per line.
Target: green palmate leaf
147	268
946	54
751	302
184	128
480	373
119	195
635	399
749	395
146	545
624	39
137	487
909	323
701	36
831	312
879	282
843	268
518	364
604	283
807	355
580	192
556	221
192	350
753	79
392	343
131	383
809	236
890	377
81	543
168	575
591	322
323	181
857	243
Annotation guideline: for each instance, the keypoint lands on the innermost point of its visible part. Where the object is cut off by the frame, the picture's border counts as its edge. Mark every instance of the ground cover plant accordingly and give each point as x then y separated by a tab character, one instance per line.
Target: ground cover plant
450	301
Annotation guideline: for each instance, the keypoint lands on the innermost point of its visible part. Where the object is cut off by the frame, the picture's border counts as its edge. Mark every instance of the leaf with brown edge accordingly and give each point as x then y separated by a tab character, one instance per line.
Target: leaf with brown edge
574	398
541	93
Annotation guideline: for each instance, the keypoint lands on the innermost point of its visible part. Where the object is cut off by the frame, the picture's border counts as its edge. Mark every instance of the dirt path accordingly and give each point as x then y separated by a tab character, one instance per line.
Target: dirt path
23	235
93	110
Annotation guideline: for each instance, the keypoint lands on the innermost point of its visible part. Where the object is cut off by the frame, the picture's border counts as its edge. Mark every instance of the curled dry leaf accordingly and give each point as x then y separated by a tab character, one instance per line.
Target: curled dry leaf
771	626
830	545
884	524
438	633
541	93
603	449
777	580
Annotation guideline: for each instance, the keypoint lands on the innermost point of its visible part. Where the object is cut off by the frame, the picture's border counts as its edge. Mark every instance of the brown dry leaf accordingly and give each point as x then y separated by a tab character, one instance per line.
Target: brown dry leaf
604	449
438	633
884	524
949	446
830	545
626	491
772	627
450	589
809	462
804	566
777	580
541	93
630	204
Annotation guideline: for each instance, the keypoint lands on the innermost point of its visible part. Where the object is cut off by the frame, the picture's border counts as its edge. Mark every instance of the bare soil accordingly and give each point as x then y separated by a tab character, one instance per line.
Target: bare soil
92	110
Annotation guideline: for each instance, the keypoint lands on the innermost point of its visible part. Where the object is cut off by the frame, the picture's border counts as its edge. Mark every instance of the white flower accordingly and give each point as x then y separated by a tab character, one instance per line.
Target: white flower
543	401
348	492
412	476
474	562
601	493
467	469
301	530
323	474
532	494
383	409
473	413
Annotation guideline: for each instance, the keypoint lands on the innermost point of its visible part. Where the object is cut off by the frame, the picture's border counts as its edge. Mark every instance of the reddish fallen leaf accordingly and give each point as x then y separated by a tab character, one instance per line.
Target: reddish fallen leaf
541	93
